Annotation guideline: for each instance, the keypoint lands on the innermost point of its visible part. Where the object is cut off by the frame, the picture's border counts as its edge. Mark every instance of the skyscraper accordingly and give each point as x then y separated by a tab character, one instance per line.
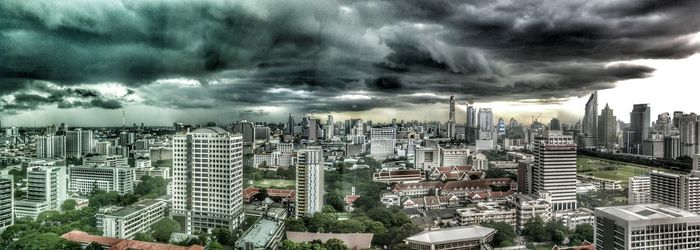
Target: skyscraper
451	122
471	117
663	124
330	127
485	119
44	147
87	141
74	143
309	182
7	202
247	130
640	119
382	142
590	122
208	179
607	127
555	124
555	169
290	124
688	128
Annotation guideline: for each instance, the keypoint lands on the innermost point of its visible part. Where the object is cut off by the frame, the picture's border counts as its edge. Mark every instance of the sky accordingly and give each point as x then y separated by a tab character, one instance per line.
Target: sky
86	62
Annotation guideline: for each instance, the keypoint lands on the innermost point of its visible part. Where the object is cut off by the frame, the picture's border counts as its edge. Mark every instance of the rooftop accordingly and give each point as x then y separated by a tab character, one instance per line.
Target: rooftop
121	244
453	234
261	232
133	208
646	212
210	130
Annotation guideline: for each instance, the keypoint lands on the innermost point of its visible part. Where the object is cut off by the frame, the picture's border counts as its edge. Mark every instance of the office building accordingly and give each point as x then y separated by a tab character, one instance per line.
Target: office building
24	208
607	128
47	184
528	207
262	133
681	191
485	119
44	147
102	147
330	127
74	143
382	142
106	161
290	124
639	190
427	158
648	226
141	144
309	182
640	119
126	222
247	130
126	138
590	122
554	124
555	169
88	142
208	179
454	157
118	179
688	128
672	147
452	121
7	202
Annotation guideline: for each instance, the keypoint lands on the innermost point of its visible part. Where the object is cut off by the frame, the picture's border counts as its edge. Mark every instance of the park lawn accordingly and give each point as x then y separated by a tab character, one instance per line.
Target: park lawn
277	183
621	171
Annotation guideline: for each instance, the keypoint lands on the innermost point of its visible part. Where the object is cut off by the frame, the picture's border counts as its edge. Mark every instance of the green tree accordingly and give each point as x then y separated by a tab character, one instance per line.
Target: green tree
335	244
504	235
215	246
581	233
223	236
349	226
556	231
534	229
164	228
295	225
68	205
43	241
144	237
328	209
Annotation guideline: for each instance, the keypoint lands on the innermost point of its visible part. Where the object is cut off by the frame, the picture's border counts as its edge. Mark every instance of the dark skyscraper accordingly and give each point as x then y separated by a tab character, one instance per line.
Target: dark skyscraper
290	124
590	119
607	132
640	118
554	124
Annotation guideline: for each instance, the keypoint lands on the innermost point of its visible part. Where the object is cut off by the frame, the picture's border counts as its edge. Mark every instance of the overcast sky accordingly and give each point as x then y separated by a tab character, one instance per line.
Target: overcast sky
83	62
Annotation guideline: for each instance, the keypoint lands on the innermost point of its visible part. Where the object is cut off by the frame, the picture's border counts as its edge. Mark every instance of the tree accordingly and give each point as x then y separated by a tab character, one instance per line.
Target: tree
581	233
295	225
328	209
504	235
556	231
534	229
350	226
335	244
215	246
68	205
143	237
223	236
164	228
93	246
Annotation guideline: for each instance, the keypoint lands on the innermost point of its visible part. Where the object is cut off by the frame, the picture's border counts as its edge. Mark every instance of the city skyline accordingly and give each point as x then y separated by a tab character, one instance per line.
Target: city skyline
342	58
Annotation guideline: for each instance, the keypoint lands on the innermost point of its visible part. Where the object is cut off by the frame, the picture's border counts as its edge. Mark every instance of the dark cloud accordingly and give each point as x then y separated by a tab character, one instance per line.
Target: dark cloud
329	55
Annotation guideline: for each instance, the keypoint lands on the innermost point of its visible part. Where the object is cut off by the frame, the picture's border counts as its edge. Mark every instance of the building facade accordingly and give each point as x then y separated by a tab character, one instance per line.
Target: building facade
554	170
309	182
382	143
84	178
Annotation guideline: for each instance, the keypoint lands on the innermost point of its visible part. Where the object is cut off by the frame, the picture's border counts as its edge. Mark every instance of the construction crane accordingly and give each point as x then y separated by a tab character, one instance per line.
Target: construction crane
534	119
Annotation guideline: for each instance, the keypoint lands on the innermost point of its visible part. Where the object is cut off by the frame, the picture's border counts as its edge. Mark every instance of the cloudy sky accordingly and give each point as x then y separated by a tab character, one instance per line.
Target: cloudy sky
83	62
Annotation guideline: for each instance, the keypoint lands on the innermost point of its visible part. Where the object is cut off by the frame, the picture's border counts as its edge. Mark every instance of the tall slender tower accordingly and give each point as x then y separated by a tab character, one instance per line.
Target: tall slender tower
208	180
640	120
290	124
607	132
590	122
451	122
309	181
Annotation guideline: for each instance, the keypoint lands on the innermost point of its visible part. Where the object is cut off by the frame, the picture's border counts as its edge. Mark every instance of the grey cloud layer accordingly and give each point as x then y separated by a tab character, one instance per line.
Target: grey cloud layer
308	54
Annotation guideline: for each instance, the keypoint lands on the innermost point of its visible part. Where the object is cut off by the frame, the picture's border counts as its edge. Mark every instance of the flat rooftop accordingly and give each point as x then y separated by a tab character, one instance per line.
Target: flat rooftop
133	208
645	212
261	232
453	234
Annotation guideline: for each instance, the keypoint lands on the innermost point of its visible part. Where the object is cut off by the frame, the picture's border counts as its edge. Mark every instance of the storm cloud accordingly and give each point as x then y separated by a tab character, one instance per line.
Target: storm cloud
322	56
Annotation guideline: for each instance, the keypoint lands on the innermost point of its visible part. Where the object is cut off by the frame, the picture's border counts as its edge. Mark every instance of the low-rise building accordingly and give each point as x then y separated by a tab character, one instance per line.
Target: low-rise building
153	172
125	222
85	239
485	212
118	179
399	176
469	237
530	206
639	190
29	208
601	183
264	234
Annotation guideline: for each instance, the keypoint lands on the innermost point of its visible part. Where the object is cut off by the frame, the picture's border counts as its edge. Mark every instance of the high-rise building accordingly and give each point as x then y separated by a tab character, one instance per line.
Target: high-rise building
451	121
555	124
330	127
501	126
7	202
44	147
126	138
639	191
485	119
471	117
688	128
247	130
672	147
59	146
309	182
589	130
555	169
663	124
382	142
74	143
87	141
607	128
313	129
290	124
648	226
640	119
208	180
47	184
681	191
676	118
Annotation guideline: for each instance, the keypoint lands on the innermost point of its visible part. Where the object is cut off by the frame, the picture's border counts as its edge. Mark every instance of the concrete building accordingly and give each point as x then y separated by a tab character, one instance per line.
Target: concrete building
427	158
555	169
640	120
530	206
153	172
264	234
88	142
247	130
208	180
106	160
485	119
688	128
672	147
639	190
525	169
126	138
74	144
451	121
486	212
454	157
24	208
47	184
653	147
590	121
648	226
607	128
126	222
50	146
309	182
681	191
382	143
7	202
469	237
118	179
330	127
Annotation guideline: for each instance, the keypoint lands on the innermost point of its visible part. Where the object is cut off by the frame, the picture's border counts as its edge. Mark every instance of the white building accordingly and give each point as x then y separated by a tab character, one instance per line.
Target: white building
118	179
382	143
47	184
124	223
309	182
285	147
486	212
208	179
427	158
555	169
153	172
529	206
87	141
639	190
50	146
7	202
74	144
648	226
454	157
102	147
106	160
681	191
30	209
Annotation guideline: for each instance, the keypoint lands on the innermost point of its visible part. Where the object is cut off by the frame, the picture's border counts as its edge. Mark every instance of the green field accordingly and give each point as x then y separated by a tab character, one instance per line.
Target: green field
274	183
612	170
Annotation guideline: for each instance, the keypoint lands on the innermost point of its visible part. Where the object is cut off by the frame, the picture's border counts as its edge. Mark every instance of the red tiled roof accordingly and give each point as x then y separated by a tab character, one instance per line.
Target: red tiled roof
122	244
283	193
349	199
484	195
249	192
